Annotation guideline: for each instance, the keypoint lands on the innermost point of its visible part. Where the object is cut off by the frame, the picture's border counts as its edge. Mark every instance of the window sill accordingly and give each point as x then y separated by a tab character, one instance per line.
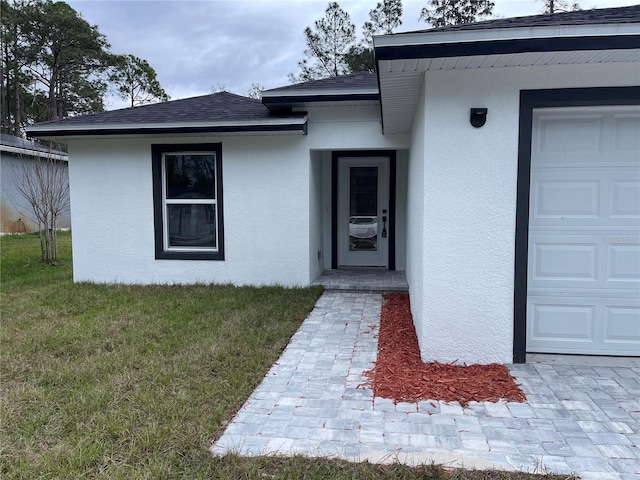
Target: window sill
165	255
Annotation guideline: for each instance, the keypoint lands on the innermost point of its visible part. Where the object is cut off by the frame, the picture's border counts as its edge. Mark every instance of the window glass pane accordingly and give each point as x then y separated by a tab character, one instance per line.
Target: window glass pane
363	209
190	176
192	225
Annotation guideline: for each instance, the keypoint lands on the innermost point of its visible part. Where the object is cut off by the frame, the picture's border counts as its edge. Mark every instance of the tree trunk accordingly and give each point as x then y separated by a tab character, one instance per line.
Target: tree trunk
53	101
17	113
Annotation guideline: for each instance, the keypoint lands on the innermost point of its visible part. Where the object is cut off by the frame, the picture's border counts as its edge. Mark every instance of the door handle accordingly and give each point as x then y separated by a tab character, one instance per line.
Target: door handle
384	224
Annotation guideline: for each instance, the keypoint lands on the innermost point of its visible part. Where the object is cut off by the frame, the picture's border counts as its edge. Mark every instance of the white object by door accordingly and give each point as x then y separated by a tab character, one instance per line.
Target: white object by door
584	232
363	211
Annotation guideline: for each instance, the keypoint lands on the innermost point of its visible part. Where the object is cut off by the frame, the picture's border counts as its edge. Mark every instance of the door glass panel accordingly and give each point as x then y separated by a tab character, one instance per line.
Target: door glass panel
363	209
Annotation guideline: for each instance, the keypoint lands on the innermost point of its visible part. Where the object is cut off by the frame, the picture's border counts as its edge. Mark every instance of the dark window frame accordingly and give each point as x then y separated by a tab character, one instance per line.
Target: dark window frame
157	151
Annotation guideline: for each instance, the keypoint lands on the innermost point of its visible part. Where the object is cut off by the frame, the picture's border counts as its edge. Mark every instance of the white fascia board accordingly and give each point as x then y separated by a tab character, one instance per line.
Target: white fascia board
32	153
518	33
164	126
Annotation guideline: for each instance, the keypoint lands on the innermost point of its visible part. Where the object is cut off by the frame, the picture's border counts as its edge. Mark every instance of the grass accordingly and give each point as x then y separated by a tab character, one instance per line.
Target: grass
115	381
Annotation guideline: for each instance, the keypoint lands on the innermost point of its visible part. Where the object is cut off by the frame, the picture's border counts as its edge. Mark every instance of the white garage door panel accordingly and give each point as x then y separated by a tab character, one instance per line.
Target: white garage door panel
584	232
571	139
561	322
560	259
571	261
566	134
622	264
625	199
600	326
556	199
622	325
600	196
626	133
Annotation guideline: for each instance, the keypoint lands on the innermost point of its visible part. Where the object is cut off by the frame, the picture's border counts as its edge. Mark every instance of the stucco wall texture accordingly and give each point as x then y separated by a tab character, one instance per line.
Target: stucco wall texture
266	213
460	204
463	310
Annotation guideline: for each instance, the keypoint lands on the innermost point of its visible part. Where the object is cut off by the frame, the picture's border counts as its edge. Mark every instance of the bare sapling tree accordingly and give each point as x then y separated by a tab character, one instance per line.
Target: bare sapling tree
42	179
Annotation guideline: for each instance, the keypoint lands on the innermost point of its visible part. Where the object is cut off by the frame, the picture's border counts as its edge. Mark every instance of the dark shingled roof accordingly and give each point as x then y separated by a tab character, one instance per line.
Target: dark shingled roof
224	107
354	81
216	107
598	16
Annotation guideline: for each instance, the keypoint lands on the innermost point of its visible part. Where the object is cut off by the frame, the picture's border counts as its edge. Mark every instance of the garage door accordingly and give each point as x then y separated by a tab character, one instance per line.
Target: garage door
583	292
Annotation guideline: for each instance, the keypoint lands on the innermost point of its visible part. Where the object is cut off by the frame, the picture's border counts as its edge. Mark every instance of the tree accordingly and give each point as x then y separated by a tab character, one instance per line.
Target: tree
136	80
553	6
440	13
327	46
67	57
53	63
219	87
360	58
383	19
255	91
43	182
14	44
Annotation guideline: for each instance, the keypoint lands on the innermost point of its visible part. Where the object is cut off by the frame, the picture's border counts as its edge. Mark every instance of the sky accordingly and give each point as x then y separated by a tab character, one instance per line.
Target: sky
195	45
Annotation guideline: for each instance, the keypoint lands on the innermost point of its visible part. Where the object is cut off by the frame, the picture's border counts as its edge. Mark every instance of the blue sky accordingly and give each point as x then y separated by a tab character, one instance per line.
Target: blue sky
196	44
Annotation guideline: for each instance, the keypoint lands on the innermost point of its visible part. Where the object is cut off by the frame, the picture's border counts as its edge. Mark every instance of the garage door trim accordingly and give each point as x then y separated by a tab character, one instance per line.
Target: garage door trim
530	100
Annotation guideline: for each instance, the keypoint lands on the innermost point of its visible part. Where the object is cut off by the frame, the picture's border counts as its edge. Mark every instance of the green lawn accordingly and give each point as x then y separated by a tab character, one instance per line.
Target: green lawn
114	381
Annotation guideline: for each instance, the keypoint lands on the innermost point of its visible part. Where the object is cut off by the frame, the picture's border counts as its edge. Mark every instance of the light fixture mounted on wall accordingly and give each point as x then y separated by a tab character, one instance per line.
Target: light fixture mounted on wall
478	117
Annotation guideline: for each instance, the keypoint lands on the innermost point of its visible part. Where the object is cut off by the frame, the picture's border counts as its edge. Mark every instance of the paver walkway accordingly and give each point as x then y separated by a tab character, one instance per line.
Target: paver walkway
314	401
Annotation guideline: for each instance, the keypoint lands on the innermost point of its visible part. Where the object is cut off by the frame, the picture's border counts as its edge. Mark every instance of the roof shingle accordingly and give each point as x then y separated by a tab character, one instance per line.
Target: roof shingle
354	81
596	16
216	107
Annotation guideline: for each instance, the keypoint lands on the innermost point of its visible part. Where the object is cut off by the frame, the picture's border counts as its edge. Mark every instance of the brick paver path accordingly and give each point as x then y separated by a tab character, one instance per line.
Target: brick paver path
578	419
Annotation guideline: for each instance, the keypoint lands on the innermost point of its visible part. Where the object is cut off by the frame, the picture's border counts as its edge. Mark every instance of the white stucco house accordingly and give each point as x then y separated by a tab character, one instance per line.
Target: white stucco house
496	163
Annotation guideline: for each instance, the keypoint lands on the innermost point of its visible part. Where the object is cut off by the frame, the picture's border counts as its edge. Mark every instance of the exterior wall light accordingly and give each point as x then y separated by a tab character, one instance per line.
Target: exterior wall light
478	117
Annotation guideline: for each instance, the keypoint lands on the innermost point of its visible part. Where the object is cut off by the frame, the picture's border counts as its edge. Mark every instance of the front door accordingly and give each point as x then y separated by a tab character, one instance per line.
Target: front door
363	211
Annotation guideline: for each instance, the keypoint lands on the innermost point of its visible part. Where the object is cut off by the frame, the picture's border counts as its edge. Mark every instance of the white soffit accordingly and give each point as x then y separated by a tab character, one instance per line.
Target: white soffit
508	60
401	79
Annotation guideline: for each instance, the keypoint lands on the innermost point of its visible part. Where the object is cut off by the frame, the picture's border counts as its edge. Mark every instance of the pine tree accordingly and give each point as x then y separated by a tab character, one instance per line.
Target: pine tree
383	19
136	81
327	46
441	13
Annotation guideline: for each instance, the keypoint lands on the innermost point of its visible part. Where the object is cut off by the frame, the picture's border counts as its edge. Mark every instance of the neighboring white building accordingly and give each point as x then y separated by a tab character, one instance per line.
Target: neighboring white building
501	159
16	154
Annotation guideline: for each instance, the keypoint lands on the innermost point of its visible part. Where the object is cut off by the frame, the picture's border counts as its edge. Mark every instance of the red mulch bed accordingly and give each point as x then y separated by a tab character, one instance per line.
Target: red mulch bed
400	374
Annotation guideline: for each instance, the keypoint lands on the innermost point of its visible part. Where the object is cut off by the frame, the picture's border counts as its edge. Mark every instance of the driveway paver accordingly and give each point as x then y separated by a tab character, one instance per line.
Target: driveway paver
578	419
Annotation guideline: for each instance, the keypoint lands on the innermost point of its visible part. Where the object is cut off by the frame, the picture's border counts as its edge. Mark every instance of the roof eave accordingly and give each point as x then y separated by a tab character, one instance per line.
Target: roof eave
290	99
493	34
285	126
433	47
506	46
33	152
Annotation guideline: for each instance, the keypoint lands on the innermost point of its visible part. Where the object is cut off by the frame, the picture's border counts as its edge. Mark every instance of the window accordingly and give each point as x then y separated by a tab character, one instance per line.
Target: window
187	189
